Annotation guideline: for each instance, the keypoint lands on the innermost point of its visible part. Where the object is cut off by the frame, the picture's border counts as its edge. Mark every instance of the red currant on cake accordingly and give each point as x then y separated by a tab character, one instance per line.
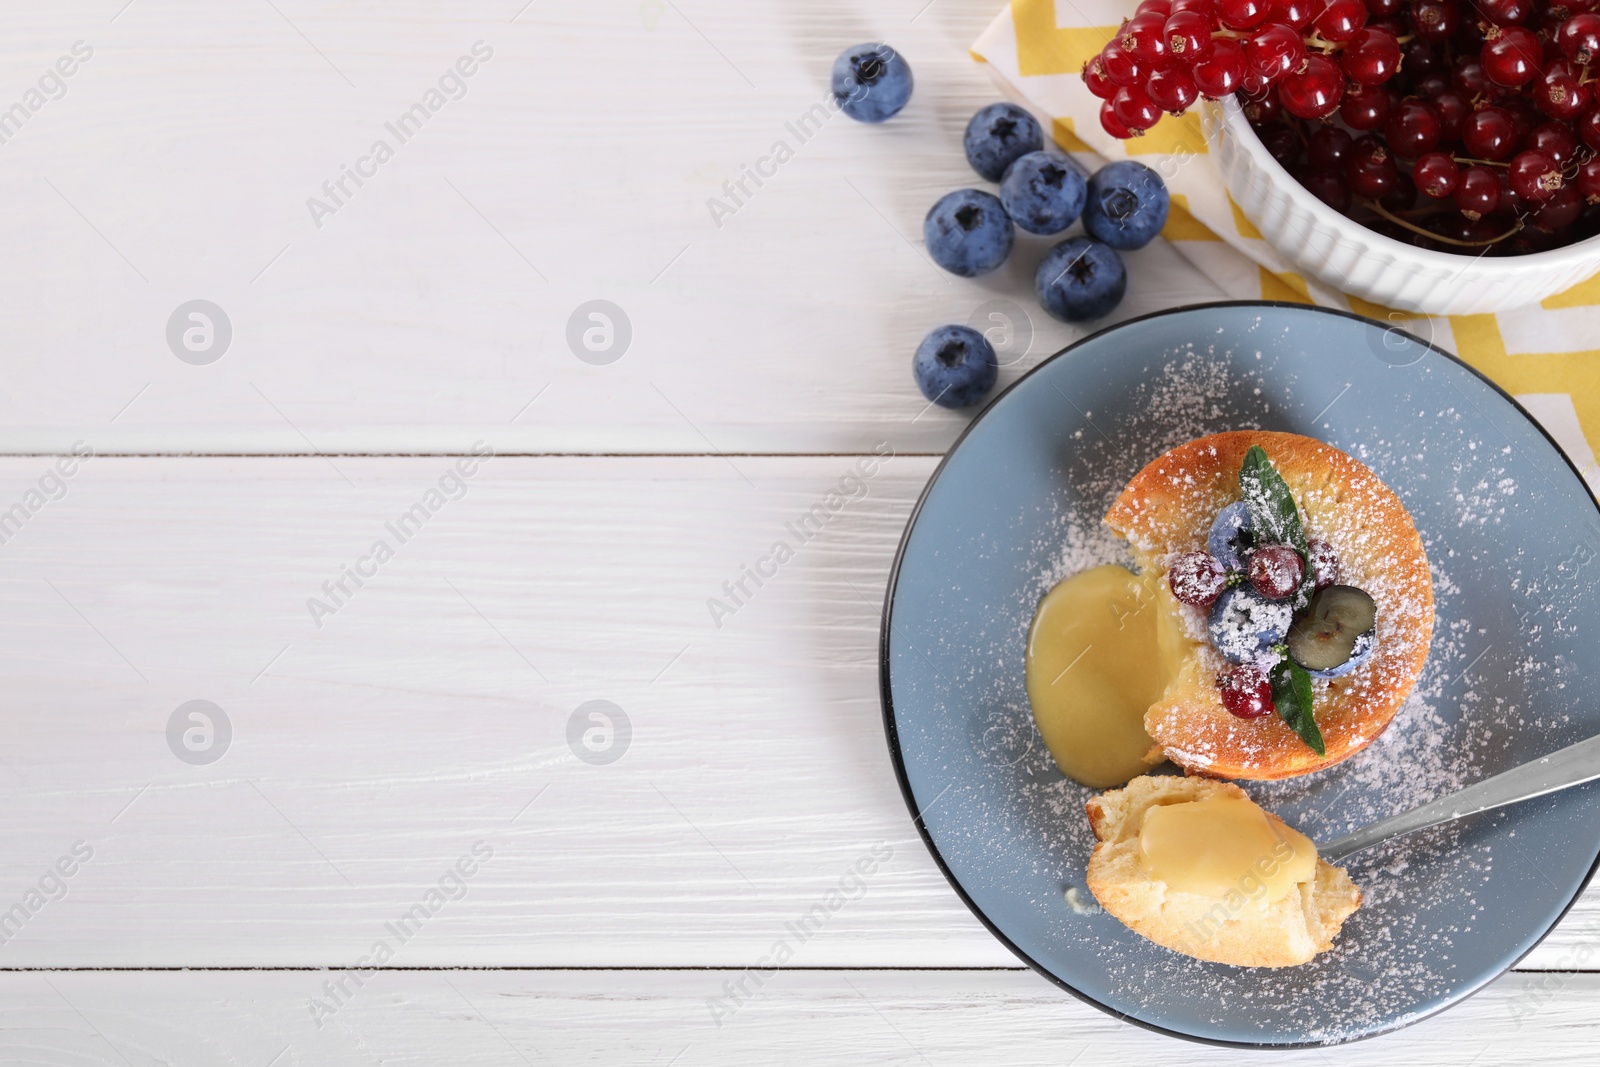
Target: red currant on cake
1324	562
1196	578
1275	571
1247	692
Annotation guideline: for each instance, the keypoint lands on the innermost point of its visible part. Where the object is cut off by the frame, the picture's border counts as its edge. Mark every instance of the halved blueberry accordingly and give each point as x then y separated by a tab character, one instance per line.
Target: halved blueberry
1336	633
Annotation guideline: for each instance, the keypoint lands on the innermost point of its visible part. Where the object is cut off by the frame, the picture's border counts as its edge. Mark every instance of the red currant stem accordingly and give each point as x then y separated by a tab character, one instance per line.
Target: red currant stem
1481	162
1414	228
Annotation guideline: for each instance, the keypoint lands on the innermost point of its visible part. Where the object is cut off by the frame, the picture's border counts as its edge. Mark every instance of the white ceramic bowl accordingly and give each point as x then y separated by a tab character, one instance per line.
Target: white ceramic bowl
1347	256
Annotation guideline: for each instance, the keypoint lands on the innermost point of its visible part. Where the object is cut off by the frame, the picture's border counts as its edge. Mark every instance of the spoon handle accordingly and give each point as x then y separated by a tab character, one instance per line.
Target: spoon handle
1570	766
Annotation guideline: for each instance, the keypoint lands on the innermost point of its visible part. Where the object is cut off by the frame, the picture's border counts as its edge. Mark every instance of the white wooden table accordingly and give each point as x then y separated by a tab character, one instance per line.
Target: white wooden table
400	746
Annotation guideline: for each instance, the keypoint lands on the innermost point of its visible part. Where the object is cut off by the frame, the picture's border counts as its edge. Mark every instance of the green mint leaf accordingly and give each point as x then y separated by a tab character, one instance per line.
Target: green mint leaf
1291	692
1272	509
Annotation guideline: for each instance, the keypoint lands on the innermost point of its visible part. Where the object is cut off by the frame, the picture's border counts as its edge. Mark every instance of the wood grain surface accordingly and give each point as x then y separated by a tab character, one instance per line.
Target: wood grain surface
398	724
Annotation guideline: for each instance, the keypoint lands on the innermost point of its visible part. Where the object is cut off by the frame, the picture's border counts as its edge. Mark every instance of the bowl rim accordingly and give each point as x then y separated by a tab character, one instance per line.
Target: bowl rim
892	731
1233	119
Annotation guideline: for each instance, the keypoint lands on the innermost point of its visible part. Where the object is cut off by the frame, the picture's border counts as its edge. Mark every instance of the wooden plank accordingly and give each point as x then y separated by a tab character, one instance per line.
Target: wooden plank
432	306
430	711
661	1017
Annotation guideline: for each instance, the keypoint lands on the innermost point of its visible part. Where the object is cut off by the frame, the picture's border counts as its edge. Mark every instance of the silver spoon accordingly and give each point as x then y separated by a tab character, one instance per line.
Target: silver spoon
1570	766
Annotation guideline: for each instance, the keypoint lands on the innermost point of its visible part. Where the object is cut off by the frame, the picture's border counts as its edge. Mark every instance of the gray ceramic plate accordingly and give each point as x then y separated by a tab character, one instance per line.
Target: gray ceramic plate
1514	539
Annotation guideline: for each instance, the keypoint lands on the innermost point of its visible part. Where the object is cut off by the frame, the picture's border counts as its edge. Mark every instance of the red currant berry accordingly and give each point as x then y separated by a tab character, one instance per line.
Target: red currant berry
1412	129
1221	73
1560	211
1296	14
1365	107
1337	21
1206	9
1275	571
1589	179
1403	197
1458	227
1419	59
1113	125
1489	134
1453	110
1434	21
1437	175
1275	50
1579	38
1561	95
1589	128
1281	143
1326	186
1188	36
1242	14
1511	201
1324	563
1094	76
1154	7
1172	87
1247	692
1134	107
1261	108
1534	175
1196	578
1472	81
1380	9
1142	35
1426	87
1371	57
1313	91
1327	147
1505	12
1369	169
1478	192
1555	139
1512	57
1122	67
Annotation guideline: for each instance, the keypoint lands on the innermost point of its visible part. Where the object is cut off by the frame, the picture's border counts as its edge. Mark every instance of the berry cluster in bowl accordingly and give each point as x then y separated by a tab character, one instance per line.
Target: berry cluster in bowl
1458	127
1274	606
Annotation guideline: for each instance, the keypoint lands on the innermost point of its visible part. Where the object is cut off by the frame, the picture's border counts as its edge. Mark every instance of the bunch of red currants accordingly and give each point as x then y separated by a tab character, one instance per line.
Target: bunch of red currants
1468	127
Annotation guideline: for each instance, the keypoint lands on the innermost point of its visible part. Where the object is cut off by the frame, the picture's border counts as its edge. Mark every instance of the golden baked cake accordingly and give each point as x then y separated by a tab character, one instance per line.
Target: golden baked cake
1175	514
1213	876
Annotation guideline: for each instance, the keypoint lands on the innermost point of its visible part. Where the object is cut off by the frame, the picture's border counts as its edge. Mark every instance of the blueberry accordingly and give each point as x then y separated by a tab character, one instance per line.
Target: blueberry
1127	205
968	232
1080	279
1043	192
871	82
955	366
1232	536
1244	624
998	136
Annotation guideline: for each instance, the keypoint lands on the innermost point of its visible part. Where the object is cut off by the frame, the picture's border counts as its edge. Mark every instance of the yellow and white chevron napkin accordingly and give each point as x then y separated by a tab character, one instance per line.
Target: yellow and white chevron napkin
1543	354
